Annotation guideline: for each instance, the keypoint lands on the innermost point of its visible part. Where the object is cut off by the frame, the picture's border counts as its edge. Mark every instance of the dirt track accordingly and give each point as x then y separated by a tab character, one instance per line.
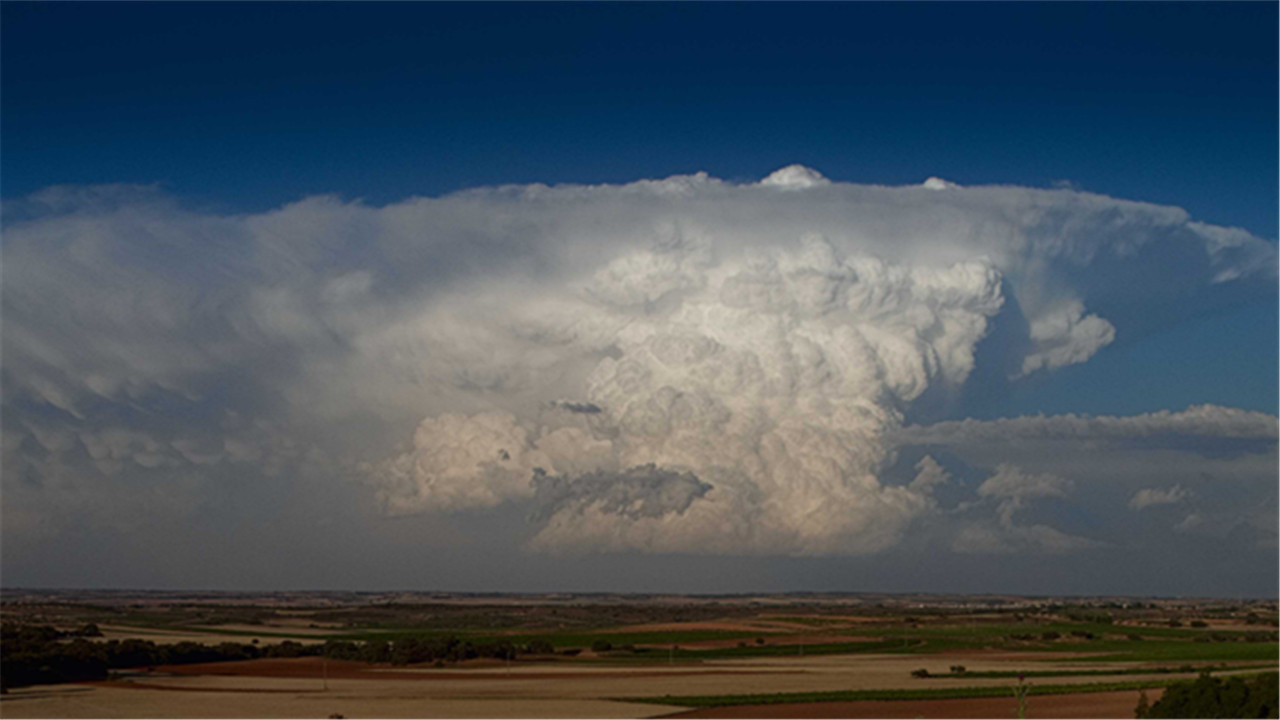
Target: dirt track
1083	705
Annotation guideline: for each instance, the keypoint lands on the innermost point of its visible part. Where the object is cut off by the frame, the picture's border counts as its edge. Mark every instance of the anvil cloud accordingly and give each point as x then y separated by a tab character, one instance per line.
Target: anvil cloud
684	365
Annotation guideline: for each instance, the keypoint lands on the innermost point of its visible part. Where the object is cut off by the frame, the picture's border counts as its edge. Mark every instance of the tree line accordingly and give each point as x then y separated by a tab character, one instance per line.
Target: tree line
41	654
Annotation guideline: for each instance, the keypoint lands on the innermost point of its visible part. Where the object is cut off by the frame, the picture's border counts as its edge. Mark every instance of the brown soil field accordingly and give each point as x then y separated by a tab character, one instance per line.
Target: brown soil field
585	681
300	627
294	687
834	619
749	626
375	701
998	654
1082	705
316	668
272	636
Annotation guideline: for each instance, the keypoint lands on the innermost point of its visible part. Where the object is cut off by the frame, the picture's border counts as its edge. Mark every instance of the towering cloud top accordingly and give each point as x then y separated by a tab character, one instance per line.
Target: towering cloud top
675	365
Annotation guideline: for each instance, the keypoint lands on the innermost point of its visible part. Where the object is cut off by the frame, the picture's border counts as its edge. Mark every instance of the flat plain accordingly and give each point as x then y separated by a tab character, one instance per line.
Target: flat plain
606	657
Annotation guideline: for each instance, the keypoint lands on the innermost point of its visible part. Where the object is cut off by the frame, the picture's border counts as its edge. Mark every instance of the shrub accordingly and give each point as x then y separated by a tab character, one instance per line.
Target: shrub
1134	637
1208	697
539	647
601	646
920	673
1050	636
957	669
1199	624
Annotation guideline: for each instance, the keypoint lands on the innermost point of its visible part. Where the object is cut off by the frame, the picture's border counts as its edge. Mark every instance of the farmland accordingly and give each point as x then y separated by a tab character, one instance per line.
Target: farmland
620	656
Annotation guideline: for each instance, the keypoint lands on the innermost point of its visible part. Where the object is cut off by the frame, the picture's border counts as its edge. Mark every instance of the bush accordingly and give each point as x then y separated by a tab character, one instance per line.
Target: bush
958	669
601	646
920	673
1050	636
1199	624
1210	697
539	647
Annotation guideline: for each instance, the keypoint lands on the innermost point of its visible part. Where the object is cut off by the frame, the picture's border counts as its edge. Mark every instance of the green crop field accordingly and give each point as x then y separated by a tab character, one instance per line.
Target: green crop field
923	694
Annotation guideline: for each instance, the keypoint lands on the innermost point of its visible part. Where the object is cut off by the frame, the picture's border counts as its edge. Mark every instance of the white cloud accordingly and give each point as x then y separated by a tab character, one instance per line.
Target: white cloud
1014	490
795	177
1011	483
765	339
1066	336
1211	421
1146	497
937	183
929	474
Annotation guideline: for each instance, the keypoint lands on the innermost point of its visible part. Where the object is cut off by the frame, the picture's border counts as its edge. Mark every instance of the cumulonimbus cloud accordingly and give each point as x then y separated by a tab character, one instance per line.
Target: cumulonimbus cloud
684	365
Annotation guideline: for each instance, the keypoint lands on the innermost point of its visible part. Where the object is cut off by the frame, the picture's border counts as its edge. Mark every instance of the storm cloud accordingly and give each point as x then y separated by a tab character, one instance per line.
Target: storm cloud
684	365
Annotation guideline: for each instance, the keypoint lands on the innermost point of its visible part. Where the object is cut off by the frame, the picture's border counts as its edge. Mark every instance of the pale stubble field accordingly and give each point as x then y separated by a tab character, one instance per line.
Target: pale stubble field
532	690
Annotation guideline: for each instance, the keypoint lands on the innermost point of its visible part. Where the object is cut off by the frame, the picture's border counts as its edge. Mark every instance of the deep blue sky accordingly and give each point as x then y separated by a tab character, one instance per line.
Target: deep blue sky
185	411
246	106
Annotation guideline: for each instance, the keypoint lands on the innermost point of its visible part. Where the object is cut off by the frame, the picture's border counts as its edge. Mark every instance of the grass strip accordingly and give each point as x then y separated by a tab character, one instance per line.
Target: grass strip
990	674
897	694
1156	651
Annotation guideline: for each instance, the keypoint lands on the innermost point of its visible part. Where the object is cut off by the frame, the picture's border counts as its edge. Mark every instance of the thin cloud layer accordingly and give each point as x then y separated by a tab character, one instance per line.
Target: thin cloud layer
682	365
1211	421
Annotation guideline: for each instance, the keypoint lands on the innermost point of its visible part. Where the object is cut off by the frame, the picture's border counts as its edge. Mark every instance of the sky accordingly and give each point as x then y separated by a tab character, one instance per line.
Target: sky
707	298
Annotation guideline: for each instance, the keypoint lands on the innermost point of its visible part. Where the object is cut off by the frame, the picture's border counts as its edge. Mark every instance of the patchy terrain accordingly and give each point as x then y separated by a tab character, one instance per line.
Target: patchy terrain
571	656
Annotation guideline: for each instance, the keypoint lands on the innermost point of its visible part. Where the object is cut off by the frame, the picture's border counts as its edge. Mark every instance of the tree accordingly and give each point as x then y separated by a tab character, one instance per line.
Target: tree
1210	697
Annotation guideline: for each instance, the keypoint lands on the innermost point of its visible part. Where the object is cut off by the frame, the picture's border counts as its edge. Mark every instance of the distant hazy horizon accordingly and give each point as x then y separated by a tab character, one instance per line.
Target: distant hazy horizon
549	597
